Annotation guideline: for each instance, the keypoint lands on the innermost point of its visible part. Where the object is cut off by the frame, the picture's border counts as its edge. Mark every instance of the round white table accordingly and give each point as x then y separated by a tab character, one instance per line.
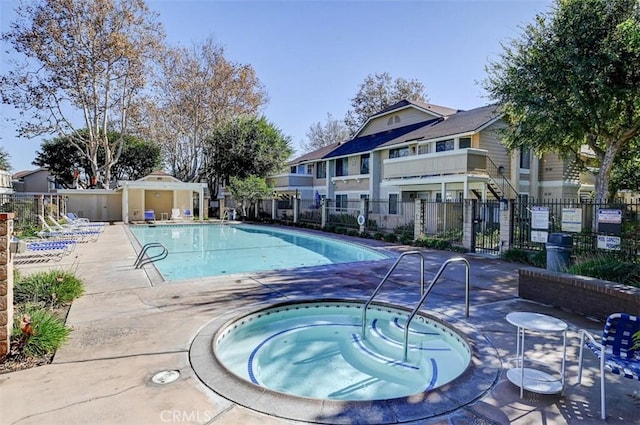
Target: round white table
528	378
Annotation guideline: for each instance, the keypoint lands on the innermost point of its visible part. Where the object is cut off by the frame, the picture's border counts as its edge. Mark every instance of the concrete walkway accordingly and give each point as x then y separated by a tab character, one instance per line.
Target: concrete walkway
126	329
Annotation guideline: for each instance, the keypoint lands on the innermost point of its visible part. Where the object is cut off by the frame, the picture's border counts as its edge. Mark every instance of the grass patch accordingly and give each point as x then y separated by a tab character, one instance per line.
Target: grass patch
37	331
53	288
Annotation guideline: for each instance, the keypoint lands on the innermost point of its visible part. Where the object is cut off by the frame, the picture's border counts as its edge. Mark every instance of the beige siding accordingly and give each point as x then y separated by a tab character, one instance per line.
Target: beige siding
490	140
551	167
406	116
351	185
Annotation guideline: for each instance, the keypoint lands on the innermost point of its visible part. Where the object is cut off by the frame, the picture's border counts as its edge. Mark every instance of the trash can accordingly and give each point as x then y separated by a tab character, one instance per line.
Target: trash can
559	248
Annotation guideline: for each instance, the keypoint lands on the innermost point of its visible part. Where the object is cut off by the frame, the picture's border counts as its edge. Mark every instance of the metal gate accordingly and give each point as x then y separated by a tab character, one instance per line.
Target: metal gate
486	227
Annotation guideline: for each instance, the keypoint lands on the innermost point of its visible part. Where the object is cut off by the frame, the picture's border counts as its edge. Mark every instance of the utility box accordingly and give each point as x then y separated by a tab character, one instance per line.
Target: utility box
559	249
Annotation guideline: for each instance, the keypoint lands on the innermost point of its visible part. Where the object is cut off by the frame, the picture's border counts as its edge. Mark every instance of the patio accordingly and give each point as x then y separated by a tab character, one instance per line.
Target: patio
128	326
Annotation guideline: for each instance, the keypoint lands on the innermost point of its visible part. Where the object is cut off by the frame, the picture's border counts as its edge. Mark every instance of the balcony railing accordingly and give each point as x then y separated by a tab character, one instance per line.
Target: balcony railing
291	180
461	161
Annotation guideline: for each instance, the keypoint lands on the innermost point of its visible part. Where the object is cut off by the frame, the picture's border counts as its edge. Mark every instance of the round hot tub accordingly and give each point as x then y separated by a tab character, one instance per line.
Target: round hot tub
314	354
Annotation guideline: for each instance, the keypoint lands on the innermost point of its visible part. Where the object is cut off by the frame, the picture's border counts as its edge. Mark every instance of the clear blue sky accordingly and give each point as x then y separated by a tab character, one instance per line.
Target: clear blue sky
312	56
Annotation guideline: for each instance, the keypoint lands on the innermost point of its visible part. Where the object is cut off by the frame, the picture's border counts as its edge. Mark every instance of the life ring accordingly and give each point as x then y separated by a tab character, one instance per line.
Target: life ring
361	220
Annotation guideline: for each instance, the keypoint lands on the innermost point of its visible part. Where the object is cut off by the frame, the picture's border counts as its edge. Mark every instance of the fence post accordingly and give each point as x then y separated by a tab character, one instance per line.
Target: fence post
506	225
6	283
364	212
274	208
296	209
325	212
419	221
468	215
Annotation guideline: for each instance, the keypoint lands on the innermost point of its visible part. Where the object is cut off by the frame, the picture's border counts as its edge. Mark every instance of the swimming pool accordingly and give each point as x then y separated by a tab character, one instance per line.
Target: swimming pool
210	250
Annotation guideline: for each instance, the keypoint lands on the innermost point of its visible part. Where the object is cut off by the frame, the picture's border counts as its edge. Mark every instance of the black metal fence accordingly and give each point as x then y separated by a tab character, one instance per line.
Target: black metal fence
612	227
27	208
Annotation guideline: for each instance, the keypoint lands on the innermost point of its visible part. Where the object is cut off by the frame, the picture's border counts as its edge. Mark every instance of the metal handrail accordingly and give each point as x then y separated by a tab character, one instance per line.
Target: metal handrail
141	261
426	293
495	170
384	279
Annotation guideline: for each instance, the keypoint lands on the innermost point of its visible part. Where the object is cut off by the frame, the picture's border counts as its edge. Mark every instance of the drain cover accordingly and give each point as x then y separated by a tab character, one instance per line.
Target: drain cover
165	377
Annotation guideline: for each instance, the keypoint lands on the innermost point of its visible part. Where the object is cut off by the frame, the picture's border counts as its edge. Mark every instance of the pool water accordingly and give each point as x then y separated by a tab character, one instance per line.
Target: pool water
211	250
316	350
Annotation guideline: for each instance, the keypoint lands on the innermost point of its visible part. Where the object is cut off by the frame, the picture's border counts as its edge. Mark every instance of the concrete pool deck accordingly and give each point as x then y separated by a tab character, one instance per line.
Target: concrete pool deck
126	329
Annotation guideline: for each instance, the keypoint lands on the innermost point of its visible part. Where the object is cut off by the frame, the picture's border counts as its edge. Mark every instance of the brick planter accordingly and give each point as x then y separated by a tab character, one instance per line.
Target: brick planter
584	295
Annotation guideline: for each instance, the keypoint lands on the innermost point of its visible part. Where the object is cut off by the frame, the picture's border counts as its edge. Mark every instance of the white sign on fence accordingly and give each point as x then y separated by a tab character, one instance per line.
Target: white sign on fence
572	220
540	218
539	236
609	242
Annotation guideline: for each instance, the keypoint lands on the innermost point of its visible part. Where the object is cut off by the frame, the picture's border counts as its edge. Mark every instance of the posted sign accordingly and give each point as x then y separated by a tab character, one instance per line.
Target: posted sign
610	221
540	218
609	242
572	220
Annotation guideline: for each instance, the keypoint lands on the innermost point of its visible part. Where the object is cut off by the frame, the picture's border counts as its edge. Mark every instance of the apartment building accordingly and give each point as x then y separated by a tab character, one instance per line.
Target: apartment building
416	150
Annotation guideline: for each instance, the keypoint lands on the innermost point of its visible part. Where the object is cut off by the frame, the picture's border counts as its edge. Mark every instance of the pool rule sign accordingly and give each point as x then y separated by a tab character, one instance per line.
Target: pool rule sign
539	224
609	222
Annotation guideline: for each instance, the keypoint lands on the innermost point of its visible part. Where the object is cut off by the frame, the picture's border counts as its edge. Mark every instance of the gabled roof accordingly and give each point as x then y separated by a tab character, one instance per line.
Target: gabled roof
442	111
459	123
314	155
372	141
20	174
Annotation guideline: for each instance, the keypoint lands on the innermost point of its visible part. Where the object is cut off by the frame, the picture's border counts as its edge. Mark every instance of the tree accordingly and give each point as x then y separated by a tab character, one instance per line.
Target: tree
378	92
197	89
573	79
85	61
625	174
321	135
243	147
71	168
4	160
247	191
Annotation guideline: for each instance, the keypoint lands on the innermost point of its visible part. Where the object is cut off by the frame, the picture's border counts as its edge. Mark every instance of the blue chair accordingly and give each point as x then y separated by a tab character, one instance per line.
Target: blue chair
149	215
616	350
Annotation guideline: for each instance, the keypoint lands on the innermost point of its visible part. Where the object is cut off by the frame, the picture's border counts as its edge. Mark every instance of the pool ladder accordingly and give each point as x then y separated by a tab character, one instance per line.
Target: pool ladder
424	292
141	260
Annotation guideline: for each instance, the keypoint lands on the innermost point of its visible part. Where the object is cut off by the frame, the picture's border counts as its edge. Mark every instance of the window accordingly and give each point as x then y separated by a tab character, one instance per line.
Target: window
364	164
525	158
394	119
321	170
444	145
310	169
393	203
464	142
424	149
398	152
342	167
342	202
293	169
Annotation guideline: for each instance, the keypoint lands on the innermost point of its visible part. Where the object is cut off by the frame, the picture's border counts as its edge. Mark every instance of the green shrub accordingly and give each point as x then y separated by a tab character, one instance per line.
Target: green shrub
390	237
516	255
539	259
49	332
52	288
608	268
406	239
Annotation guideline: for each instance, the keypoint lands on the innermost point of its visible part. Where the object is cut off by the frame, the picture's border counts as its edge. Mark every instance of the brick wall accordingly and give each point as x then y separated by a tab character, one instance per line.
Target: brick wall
6	282
584	295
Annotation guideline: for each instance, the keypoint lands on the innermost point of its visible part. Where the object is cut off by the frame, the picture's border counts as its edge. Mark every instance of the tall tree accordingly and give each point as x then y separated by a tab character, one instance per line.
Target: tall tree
85	61
573	79
324	134
243	147
196	89
4	160
377	92
70	168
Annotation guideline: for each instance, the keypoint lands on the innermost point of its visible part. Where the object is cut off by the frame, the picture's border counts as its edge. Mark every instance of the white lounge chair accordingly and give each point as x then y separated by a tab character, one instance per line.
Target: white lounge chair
175	214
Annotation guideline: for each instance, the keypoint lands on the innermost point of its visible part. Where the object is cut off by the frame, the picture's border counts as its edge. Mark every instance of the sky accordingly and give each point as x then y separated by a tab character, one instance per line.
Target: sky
312	56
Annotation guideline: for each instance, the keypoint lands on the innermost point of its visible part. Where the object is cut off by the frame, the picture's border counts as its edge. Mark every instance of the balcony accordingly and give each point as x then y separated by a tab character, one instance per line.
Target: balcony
291	180
460	161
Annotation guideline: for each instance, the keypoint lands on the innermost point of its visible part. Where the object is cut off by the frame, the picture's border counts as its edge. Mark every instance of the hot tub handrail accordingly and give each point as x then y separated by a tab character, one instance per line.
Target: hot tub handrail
141	261
384	279
426	293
